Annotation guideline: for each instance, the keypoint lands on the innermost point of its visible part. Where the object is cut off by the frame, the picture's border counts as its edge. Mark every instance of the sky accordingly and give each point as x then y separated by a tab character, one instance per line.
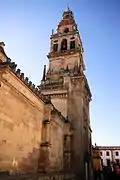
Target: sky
26	26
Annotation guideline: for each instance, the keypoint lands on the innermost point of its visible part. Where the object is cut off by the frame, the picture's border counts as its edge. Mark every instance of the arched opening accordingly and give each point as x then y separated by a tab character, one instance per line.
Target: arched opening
66	30
64	45
55	47
72	45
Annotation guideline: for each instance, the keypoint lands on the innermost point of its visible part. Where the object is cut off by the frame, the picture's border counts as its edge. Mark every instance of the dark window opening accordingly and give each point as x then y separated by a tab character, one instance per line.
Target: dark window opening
117	154
55	41
66	30
72	45
102	162
72	38
108	162
107	153
101	153
64	44
55	47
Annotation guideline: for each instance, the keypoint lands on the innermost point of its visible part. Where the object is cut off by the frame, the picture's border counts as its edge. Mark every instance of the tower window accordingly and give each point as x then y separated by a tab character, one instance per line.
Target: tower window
107	153
55	41
108	162
102	162
117	154
64	44
72	38
72	45
66	30
55	47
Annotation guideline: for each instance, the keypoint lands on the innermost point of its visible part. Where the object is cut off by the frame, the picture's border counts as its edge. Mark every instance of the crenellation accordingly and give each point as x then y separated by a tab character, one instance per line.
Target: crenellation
26	80
37	92
22	76
33	88
18	72
30	84
13	66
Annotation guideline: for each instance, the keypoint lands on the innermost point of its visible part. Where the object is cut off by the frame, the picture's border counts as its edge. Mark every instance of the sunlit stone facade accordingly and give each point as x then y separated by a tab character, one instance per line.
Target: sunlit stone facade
47	128
66	84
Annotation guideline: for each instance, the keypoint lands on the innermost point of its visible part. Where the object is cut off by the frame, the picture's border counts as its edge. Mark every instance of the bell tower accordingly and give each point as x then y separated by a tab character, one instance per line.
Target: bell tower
66	50
66	84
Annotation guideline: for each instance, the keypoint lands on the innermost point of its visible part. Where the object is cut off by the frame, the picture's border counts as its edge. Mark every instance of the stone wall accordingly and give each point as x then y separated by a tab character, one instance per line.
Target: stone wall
61	104
75	114
56	141
59	99
21	115
79	116
57	63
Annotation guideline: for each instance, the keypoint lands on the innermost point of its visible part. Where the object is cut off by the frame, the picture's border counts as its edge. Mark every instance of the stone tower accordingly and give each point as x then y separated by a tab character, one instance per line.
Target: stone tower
66	84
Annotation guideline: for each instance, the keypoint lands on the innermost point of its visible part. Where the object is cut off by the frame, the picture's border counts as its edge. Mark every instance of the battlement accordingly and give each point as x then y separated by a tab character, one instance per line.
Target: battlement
13	67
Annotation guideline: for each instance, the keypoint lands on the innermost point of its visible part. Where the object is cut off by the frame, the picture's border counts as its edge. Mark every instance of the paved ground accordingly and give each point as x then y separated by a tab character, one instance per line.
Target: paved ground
38	177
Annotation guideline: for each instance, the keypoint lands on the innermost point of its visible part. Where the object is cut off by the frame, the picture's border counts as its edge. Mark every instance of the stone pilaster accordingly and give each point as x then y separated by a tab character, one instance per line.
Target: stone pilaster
67	152
43	164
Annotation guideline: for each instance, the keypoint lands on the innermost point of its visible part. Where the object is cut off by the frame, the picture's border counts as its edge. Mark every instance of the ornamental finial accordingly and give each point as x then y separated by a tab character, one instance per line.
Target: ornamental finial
68	8
2	44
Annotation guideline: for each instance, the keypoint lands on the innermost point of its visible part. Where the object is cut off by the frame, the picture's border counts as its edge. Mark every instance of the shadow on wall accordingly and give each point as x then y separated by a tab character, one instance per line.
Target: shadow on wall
30	163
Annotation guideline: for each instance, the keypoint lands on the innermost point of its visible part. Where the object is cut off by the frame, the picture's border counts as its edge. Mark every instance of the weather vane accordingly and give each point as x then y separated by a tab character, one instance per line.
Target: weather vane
68	7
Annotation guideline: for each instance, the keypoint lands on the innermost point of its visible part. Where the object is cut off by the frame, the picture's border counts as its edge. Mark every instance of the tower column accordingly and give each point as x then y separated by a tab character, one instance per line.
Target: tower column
68	43
67	153
59	46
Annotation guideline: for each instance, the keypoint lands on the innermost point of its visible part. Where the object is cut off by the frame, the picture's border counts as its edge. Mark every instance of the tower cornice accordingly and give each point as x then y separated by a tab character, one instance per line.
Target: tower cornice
63	53
64	34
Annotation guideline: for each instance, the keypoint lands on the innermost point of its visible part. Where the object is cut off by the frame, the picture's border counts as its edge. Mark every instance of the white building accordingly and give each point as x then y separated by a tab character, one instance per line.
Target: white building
109	154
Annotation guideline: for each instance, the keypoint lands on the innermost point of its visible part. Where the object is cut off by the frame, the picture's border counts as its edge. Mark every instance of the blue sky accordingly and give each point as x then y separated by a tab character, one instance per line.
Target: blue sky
25	27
